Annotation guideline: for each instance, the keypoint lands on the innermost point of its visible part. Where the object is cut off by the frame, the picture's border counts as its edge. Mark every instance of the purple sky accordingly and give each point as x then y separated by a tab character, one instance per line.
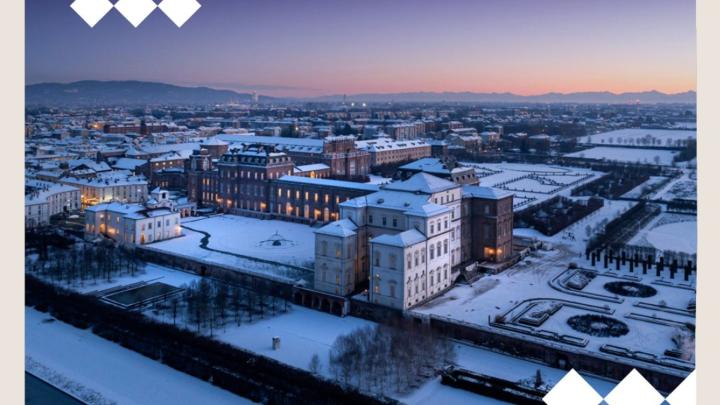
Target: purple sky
313	47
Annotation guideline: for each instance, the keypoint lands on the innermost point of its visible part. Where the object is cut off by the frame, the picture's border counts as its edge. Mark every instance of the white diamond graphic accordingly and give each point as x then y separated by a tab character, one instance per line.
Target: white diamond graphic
572	390
179	11
634	390
135	11
91	11
685	393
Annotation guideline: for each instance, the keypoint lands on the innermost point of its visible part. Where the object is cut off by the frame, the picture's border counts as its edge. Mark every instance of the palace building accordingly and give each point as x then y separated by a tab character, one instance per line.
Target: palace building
408	241
260	180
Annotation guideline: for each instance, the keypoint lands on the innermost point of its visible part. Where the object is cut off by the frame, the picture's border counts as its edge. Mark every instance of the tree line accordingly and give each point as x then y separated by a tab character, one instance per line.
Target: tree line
207	305
389	358
84	263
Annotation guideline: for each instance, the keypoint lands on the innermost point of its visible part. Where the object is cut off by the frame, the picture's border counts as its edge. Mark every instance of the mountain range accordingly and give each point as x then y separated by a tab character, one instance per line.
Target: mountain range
107	93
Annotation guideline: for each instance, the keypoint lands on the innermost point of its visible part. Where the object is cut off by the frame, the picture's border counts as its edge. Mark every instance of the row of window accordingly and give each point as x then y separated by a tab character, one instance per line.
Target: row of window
435	249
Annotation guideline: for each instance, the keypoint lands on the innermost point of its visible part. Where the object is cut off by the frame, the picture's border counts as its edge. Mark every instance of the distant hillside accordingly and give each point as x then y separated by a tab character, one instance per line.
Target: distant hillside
103	93
469	97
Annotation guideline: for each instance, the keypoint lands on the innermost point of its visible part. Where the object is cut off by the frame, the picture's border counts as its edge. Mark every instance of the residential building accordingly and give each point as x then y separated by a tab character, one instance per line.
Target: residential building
132	223
45	199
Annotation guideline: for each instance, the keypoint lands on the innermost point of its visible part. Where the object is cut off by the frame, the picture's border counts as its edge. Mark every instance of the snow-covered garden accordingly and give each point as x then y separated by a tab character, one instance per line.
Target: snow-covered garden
532	183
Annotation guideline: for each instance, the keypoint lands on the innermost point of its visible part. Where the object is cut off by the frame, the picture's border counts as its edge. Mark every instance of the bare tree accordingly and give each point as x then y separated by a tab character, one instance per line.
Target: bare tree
314	365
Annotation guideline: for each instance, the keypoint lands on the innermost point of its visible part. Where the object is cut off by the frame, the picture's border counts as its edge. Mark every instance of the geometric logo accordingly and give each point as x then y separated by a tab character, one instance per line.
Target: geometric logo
634	389
135	11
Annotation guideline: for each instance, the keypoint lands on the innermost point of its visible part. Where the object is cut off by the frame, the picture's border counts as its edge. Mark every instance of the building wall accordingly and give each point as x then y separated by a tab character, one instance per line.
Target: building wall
37	214
489	229
335	263
118	227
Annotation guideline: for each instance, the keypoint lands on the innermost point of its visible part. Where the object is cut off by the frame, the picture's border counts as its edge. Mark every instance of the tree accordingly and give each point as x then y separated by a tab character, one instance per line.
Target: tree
220	300
291	131
314	365
538	380
174	305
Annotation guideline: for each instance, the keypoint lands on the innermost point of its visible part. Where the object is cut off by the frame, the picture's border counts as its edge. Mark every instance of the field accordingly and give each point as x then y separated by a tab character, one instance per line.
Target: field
628	155
532	183
668	231
640	137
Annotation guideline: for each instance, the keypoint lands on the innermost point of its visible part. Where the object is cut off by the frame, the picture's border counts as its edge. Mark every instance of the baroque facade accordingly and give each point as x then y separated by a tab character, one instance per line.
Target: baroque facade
407	242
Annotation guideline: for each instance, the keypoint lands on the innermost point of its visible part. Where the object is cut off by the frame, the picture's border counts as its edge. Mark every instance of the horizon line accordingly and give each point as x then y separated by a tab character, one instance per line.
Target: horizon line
340	94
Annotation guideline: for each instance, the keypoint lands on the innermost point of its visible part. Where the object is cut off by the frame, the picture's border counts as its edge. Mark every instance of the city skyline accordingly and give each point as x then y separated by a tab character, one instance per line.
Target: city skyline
315	48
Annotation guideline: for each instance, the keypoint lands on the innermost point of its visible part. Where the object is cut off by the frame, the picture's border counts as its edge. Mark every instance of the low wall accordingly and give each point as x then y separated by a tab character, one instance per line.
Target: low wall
273	286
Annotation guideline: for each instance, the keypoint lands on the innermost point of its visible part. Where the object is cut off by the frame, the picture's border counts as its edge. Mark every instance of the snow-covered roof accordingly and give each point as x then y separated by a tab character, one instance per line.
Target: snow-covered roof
422	182
428	210
385	144
403	239
432	165
330	183
128	163
343	227
390	199
174	155
214	141
106	181
89	163
41	190
117	207
487	193
312	167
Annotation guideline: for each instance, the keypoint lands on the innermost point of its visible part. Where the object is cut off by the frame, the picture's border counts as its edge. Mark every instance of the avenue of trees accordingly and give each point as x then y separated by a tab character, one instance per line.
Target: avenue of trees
208	305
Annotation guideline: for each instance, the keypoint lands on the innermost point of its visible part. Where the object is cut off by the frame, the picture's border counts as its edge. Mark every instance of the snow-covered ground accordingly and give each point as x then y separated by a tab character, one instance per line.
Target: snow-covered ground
89	363
575	236
631	155
151	272
637	191
668	231
640	137
684	187
530	279
303	332
238	242
532	183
